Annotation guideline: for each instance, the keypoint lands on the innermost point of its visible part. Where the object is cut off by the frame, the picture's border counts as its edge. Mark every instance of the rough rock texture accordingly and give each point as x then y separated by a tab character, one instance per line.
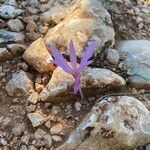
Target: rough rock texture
7	37
21	83
61	83
122	123
10	10
37	118
88	20
15	25
57	12
37	56
136	55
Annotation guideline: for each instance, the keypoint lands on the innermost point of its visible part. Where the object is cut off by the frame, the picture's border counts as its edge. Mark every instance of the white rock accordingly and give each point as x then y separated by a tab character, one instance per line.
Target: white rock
57	129
96	78
36	119
18	129
124	122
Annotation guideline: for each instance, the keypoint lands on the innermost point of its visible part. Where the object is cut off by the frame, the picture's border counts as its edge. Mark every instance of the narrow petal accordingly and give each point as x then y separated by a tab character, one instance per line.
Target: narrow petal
73	57
60	60
88	54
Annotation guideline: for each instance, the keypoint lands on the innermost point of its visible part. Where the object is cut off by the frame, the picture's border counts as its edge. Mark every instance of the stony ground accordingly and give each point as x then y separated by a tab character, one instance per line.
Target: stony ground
26	123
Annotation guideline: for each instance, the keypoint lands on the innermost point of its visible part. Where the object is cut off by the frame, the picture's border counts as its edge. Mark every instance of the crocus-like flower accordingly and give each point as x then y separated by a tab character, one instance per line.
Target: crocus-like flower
75	70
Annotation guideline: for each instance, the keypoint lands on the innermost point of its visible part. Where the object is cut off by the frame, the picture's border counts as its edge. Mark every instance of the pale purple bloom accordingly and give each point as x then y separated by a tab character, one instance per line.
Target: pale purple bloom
74	69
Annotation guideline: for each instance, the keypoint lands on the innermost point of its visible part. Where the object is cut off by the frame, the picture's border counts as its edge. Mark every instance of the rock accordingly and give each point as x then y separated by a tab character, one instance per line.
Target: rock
78	106
9	11
32	36
8	37
113	56
3	24
39	134
37	118
16	48
48	124
31	108
137	60
37	56
18	129
33	98
56	138
122	122
5	54
39	143
39	87
96	78
48	140
20	82
57	129
58	10
147	147
87	21
32	147
25	139
23	147
3	141
31	26
56	110
15	25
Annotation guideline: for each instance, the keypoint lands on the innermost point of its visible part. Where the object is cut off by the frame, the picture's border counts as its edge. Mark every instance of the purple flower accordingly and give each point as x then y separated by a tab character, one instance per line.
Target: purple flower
74	69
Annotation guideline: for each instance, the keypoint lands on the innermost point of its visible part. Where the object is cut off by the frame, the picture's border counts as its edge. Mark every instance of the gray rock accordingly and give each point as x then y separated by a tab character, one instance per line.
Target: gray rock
15	25
137	59
113	56
96	78
18	129
39	143
7	37
123	123
31	108
36	118
81	28
10	10
37	56
23	147
3	141
16	48
20	82
48	140
5	54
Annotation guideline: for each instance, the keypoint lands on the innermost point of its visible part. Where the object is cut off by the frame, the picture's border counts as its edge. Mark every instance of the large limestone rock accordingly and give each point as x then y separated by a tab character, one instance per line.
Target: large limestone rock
20	83
92	80
136	55
122	123
37	56
88	20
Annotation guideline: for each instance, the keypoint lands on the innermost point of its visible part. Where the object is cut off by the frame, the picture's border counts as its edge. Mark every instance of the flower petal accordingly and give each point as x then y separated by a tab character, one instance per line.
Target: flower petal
60	60
84	65
87	54
73	57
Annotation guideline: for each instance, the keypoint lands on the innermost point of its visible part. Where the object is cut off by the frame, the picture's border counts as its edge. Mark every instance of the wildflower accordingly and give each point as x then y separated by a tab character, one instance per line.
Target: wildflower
75	70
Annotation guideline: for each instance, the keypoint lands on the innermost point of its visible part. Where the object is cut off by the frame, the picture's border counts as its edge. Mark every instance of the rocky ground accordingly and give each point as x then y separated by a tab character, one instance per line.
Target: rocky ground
38	109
